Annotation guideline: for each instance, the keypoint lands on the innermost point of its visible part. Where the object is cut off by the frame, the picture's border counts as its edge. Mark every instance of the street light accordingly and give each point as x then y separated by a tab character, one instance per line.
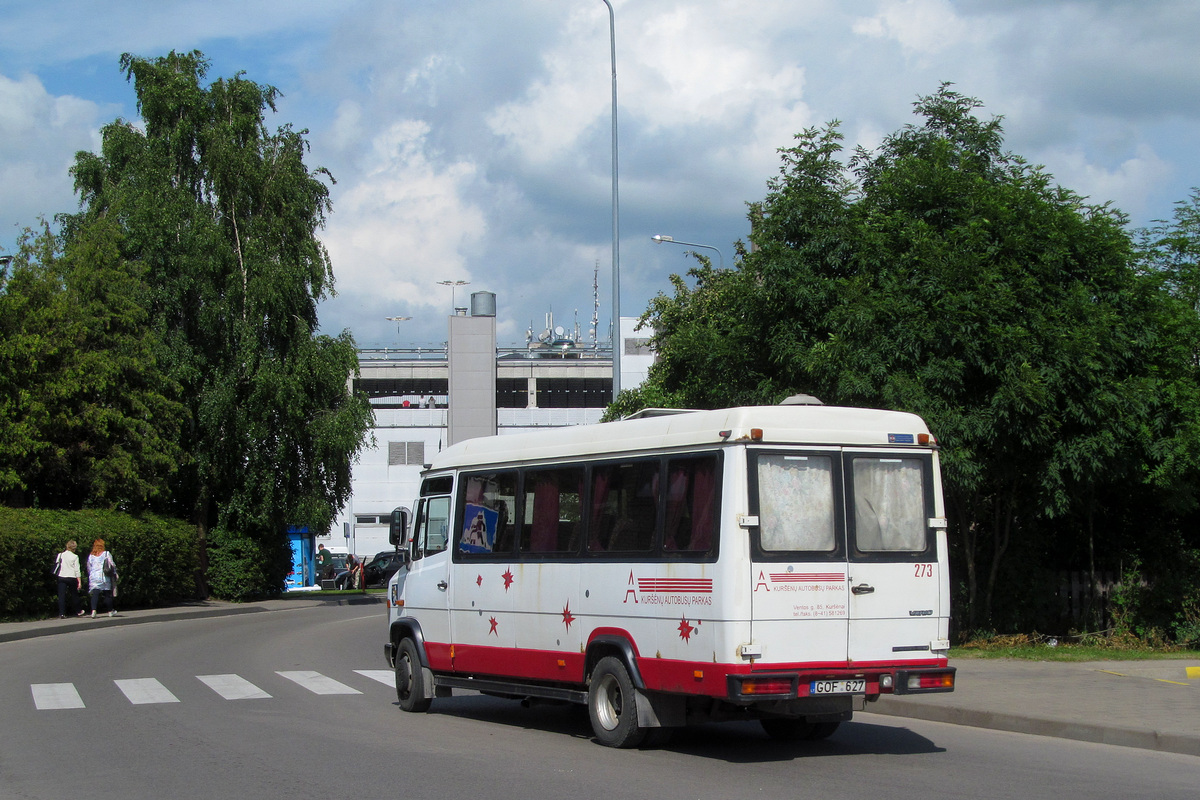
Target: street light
670	239
453	285
616	254
398	320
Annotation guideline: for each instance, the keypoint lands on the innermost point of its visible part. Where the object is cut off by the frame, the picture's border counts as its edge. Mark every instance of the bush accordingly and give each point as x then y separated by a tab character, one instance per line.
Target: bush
156	557
241	568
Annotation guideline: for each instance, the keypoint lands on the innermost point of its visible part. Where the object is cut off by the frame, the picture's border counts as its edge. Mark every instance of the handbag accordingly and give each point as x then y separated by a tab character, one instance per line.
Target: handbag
57	565
110	569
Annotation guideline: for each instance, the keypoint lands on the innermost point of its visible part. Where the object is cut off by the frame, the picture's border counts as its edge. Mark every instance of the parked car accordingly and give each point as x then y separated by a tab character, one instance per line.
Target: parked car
376	572
380	569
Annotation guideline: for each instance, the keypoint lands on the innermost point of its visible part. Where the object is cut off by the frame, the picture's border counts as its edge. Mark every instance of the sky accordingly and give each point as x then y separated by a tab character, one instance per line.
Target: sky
471	140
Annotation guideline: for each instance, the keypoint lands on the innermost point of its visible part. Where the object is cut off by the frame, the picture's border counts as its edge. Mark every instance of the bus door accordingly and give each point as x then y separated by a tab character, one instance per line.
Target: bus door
483	575
894	576
425	588
799	588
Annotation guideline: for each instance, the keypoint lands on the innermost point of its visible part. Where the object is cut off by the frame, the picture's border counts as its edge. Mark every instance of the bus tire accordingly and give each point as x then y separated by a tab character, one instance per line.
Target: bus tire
612	705
410	681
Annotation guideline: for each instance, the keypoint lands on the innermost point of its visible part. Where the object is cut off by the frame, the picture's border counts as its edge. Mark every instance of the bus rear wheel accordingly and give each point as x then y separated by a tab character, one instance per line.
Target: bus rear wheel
612	705
410	681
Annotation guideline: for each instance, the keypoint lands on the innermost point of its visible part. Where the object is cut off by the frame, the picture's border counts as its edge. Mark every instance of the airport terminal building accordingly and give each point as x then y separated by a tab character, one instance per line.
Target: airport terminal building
427	398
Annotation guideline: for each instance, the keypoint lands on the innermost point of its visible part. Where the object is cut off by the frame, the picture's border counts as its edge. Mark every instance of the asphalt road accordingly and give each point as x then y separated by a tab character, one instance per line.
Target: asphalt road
297	704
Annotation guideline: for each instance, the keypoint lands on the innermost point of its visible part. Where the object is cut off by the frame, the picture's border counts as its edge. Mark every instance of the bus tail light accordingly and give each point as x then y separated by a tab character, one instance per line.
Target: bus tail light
763	685
925	681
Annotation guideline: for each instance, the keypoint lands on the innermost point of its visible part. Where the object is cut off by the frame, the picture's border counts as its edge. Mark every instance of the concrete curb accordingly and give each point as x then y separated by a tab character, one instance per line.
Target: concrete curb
17	631
1145	739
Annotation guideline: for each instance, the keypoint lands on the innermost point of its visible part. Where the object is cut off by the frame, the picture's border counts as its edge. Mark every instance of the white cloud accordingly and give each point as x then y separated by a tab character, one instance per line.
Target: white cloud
920	27
1133	180
404	223
39	136
470	139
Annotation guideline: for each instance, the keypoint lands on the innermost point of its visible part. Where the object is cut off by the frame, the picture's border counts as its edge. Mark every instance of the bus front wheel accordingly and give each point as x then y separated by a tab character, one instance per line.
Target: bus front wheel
612	705
410	681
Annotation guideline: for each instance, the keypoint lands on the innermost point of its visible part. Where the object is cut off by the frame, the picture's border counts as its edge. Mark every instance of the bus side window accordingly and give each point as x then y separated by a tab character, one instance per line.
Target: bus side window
486	510
624	507
432	528
551	504
692	495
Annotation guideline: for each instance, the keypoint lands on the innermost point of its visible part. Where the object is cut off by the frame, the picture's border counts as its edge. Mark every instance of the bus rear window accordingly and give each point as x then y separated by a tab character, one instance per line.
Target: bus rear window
796	507
889	505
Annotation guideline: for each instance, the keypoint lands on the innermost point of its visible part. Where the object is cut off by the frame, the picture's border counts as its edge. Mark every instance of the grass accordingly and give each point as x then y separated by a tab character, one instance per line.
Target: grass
1091	647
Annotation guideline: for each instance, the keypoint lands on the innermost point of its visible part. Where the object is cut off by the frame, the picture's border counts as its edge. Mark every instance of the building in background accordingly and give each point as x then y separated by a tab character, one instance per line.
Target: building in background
426	399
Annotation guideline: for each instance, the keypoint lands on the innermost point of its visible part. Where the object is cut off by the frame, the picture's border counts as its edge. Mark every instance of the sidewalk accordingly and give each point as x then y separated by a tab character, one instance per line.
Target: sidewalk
13	631
1153	705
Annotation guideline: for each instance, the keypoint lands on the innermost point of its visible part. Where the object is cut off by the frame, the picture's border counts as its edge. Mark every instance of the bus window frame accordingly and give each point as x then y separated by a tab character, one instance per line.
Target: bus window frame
929	553
757	552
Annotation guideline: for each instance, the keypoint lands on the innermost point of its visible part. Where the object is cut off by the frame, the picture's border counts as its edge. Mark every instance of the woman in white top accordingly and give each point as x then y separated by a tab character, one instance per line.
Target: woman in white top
66	568
102	574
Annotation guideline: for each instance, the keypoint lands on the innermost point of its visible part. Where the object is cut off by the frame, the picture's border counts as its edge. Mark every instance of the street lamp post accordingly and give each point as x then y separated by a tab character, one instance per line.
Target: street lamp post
453	285
671	240
398	320
616	253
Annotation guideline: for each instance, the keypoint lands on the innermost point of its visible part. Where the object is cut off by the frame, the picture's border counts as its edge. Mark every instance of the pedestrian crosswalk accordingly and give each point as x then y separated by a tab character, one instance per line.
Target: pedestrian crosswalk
229	686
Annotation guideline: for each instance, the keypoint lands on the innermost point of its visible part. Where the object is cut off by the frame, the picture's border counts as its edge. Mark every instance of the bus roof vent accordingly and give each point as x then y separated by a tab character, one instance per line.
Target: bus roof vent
801	400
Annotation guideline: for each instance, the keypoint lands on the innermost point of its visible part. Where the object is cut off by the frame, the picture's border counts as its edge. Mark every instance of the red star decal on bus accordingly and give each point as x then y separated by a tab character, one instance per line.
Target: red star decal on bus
479	580
568	618
494	623
508	578
685	630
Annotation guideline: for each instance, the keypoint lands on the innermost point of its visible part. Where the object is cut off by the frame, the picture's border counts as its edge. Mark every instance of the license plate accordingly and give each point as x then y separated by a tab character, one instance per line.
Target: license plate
855	686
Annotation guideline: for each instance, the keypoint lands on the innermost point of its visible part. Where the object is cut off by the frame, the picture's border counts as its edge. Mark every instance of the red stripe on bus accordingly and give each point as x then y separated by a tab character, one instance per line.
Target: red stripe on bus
659	674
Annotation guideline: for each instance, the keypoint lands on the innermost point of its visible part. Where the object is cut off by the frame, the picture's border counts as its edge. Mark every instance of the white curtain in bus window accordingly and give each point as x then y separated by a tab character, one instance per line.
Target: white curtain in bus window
889	505
795	503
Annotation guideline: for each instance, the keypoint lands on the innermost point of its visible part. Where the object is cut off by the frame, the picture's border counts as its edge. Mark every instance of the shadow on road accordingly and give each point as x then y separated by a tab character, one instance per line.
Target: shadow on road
734	742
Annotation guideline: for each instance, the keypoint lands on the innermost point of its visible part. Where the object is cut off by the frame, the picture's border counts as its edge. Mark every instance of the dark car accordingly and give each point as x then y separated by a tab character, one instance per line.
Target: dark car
376	572
380	569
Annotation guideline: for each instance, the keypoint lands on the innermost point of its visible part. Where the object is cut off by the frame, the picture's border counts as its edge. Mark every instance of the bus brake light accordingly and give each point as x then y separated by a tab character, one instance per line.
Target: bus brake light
773	685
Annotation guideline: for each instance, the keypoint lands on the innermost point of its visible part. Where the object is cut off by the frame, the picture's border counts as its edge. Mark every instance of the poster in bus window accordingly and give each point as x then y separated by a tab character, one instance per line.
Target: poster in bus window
479	530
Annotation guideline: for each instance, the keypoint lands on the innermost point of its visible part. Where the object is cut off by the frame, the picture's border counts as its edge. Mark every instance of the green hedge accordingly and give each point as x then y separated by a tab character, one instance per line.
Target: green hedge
241	568
156	557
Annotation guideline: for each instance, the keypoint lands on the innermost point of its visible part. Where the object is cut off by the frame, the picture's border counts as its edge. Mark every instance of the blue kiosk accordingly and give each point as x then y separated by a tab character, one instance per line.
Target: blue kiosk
303	554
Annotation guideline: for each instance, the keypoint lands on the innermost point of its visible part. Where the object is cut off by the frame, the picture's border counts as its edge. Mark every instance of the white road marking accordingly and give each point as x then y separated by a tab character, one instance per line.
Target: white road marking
233	687
50	696
381	675
317	683
143	691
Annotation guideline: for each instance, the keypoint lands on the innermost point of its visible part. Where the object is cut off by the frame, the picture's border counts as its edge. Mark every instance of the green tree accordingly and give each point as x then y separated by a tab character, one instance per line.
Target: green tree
223	214
942	275
89	419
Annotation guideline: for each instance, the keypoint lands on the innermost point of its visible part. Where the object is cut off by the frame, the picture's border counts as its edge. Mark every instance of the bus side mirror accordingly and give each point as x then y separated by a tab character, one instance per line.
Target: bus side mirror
398	529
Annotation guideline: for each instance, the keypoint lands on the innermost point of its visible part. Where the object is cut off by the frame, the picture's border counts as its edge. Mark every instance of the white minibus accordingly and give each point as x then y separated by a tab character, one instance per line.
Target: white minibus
786	564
